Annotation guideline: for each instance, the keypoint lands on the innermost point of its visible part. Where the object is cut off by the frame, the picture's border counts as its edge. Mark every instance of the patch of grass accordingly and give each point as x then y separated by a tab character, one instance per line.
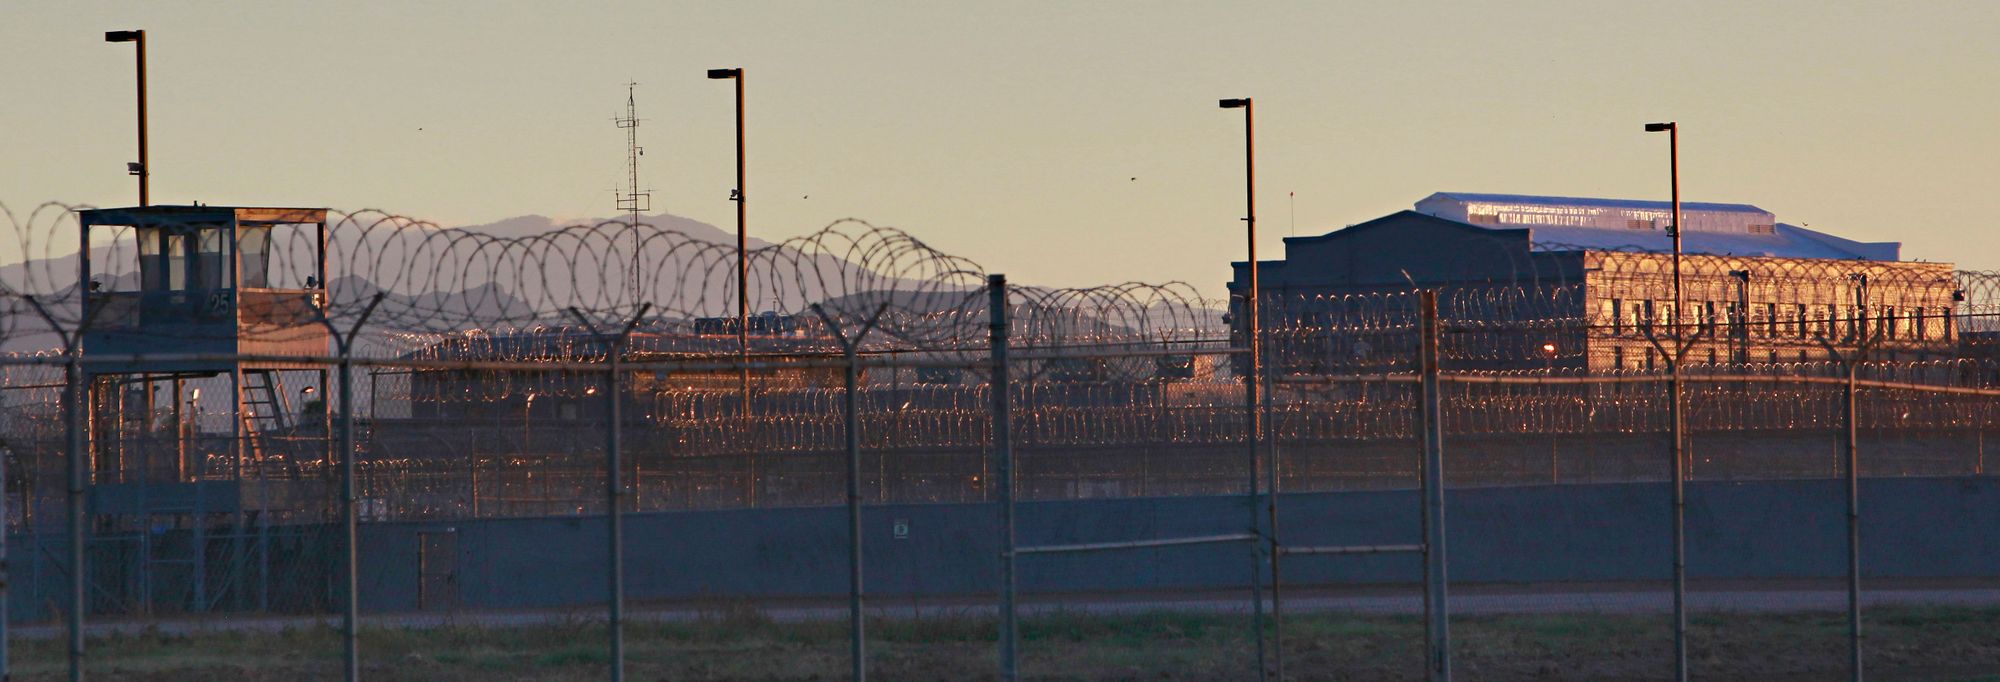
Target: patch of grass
737	642
573	656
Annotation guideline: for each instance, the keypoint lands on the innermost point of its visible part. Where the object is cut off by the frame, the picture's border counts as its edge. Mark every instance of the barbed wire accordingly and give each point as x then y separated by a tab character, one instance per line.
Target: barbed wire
436	282
1107	378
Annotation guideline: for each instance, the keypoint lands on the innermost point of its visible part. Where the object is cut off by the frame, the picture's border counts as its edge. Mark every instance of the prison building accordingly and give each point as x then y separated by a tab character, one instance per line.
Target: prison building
783	355
1536	282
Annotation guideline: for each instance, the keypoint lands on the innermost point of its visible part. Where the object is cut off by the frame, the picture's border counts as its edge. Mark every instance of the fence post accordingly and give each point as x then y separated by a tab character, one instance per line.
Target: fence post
614	516
74	391
1273	476
1864	342
75	395
857	626
614	520
1853	529
351	607
614	482
1003	456
1677	449
350	617
1253	427
1437	624
5	576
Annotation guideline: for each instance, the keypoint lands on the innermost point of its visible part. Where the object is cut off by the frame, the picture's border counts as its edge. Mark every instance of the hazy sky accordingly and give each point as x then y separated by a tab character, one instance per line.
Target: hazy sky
1012	133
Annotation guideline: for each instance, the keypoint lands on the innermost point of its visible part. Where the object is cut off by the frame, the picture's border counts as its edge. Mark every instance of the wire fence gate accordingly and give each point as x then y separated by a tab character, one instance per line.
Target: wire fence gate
378	372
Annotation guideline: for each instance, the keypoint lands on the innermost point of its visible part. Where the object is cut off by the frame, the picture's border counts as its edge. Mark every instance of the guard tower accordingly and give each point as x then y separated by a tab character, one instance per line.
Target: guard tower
178	298
205	285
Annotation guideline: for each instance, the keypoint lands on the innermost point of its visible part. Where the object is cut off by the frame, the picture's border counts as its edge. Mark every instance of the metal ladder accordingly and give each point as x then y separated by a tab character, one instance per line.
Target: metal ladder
263	410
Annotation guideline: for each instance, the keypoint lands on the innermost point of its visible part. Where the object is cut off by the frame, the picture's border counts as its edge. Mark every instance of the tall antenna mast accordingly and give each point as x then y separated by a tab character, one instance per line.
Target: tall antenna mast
631	200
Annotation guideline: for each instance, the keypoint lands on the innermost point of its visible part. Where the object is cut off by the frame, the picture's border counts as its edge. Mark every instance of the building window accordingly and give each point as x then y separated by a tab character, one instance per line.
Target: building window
1483	219
1613	310
1639	224
1763	228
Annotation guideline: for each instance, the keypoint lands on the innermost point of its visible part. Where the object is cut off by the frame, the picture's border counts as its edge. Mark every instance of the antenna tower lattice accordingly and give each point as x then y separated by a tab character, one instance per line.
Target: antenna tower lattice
631	200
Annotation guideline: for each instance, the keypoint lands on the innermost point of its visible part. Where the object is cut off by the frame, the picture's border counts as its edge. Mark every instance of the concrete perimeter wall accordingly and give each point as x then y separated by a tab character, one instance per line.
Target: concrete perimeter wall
1912	527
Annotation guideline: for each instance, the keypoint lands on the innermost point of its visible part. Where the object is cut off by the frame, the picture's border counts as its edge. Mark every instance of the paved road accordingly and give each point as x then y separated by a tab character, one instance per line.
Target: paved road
1466	600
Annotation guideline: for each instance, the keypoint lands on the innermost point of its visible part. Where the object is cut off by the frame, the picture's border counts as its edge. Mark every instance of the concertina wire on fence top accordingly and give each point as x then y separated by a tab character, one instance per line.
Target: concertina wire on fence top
474	367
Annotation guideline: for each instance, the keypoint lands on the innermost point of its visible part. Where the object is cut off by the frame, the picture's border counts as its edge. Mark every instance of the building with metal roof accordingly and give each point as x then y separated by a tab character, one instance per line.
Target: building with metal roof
1570	223
1586	283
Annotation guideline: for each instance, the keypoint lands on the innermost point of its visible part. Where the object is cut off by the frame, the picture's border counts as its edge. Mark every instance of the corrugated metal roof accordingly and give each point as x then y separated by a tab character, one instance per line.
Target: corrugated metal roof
1578	223
1643	204
1790	241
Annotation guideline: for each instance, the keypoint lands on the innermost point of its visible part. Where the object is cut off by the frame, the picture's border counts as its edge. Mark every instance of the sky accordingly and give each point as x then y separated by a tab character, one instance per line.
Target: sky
1063	144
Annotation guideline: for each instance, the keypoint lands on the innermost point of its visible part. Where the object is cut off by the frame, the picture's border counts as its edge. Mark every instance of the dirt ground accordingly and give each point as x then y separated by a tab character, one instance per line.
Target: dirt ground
1902	644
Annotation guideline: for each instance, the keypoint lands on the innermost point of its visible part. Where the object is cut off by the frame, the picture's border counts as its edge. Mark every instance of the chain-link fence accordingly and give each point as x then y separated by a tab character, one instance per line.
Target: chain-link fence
238	412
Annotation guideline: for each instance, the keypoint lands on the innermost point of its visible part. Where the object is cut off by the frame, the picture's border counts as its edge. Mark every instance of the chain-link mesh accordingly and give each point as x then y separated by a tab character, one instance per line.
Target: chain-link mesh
211	411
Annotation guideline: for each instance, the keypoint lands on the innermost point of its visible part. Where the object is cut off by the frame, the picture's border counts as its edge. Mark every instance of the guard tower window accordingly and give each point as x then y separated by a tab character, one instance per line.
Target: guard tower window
162	260
209	272
254	245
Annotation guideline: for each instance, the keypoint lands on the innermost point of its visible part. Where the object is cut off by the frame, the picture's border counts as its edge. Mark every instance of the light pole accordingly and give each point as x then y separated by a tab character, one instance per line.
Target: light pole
141	168
1674	408
1673	131
1252	341
741	197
